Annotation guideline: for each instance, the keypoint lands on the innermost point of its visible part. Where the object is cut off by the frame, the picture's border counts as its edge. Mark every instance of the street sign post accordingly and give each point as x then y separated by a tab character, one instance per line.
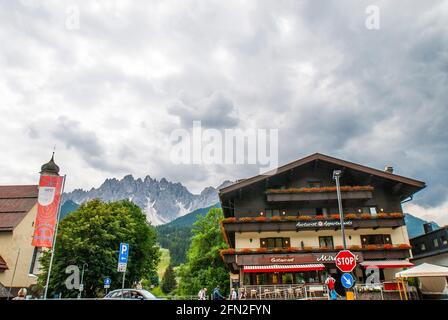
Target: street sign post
107	283
123	262
345	261
347	280
123	257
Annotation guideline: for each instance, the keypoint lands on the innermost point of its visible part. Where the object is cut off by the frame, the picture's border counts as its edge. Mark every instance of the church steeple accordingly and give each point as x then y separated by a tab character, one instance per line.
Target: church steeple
50	168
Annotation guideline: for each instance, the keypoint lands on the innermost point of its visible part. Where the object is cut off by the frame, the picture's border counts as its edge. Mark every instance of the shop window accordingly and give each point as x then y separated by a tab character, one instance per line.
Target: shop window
372	210
271	243
326	242
273	212
287	278
247	278
299	278
278	243
376	239
275	278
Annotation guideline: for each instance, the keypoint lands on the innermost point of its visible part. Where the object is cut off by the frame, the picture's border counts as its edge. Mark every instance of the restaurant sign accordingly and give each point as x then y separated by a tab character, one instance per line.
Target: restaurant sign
322	224
299	258
331	257
282	260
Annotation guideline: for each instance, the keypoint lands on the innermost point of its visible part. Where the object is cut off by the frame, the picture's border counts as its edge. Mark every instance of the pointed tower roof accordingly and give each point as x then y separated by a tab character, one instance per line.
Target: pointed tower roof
50	167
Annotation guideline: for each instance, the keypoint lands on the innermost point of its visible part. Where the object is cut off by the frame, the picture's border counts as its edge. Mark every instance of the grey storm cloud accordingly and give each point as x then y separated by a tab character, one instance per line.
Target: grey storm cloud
133	72
216	111
85	142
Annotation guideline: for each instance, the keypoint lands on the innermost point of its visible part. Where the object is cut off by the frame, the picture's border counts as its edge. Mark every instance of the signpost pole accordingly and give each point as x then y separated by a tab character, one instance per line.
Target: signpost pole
122	285
122	263
55	234
336	175
107	282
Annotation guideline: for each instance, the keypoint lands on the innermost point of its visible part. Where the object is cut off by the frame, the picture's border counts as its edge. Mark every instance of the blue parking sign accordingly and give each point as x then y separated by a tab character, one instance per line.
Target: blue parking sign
347	280
124	253
107	282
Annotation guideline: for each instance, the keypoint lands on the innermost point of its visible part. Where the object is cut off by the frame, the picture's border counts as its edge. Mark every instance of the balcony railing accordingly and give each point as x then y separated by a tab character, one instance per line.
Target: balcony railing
307	249
290	223
283	292
262	256
318	194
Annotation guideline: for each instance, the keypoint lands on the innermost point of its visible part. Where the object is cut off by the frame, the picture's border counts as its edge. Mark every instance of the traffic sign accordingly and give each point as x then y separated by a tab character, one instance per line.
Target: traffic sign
121	267
345	261
107	283
124	253
347	280
123	257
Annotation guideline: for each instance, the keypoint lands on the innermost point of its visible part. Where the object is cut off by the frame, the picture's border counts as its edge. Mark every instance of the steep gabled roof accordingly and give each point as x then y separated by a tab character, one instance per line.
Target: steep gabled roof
321	157
15	203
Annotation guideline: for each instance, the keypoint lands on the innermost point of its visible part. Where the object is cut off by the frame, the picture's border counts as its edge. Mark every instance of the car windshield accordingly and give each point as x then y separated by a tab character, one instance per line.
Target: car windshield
147	294
116	294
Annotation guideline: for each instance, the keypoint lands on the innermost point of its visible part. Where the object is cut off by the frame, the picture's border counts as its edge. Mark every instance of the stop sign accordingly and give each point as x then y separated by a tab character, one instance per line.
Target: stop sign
345	261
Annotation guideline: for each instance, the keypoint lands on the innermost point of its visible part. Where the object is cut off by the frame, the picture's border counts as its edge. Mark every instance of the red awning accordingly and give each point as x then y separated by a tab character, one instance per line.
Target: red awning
383	264
284	267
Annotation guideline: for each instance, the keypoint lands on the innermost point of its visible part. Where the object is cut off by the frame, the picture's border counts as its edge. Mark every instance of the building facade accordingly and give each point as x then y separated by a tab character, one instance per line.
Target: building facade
284	227
431	247
18	258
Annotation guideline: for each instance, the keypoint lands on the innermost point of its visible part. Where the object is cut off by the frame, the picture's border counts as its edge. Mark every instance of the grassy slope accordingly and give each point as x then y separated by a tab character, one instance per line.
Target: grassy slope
164	262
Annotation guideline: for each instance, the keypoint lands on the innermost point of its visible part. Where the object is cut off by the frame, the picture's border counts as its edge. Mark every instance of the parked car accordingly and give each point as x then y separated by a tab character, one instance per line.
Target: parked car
130	294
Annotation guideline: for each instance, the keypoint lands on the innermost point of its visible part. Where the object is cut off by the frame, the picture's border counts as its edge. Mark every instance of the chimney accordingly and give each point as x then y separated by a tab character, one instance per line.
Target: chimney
427	227
389	169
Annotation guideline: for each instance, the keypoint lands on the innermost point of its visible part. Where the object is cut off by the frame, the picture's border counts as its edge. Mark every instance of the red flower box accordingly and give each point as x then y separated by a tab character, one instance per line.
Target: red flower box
227	251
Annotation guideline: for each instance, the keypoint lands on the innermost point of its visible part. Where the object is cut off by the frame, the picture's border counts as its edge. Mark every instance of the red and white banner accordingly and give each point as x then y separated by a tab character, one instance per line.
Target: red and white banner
50	189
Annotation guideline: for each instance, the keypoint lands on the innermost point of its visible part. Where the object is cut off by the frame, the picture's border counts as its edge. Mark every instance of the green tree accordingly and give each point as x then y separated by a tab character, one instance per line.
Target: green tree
204	266
91	235
176	239
169	280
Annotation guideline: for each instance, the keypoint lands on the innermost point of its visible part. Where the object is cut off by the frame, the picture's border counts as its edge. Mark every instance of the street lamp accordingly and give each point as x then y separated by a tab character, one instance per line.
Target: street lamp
336	176
81	285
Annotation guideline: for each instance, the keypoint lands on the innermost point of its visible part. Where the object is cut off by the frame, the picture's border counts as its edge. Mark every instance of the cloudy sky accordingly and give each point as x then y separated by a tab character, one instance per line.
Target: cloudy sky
108	82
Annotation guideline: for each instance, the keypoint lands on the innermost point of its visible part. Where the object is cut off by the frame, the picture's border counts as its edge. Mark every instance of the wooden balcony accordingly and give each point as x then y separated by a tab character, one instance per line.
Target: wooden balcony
263	256
319	194
302	223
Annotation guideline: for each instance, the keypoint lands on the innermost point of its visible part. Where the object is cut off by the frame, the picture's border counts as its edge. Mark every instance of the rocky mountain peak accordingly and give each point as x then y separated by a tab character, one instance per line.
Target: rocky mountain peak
162	201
